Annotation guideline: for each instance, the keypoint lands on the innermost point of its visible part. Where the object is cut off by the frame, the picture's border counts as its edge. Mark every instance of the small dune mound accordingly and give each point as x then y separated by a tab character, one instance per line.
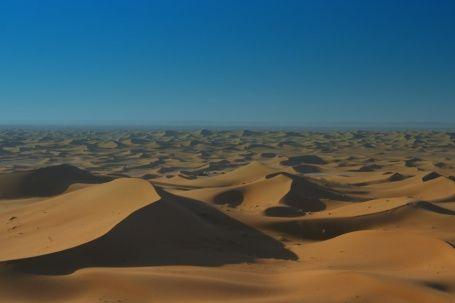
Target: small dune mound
268	155
369	168
306	169
412	162
47	181
307	159
171	231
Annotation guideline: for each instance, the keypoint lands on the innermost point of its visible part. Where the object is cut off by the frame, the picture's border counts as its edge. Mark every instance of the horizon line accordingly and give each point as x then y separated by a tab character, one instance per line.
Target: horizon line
184	125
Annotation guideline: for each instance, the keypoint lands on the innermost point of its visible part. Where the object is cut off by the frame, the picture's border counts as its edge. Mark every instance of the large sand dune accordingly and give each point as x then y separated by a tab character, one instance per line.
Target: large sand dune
206	216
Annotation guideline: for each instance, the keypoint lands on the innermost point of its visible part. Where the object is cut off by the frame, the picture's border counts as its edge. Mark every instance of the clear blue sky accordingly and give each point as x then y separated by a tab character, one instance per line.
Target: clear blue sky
226	61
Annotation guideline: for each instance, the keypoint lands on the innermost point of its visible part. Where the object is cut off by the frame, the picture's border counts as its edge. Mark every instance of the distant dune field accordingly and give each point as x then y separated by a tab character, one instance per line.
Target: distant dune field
227	216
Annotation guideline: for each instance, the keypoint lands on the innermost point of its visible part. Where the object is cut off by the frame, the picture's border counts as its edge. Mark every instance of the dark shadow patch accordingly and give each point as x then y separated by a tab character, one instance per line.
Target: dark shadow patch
327	228
306	195
232	198
438	286
369	168
434	208
308	159
397	177
165	170
430	176
297	199
150	176
268	155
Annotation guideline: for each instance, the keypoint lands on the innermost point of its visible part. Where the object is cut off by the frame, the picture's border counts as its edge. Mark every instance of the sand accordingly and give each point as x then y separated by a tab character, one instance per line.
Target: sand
226	216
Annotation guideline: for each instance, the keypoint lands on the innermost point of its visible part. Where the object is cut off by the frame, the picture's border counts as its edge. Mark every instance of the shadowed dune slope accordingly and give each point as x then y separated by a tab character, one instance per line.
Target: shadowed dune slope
256	195
273	194
308	196
170	231
47	181
378	214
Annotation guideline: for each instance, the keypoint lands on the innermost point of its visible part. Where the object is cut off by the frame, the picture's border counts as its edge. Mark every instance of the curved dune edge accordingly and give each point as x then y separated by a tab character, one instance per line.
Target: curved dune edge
382	250
70	219
278	190
433	190
417	216
378	265
229	284
256	195
244	174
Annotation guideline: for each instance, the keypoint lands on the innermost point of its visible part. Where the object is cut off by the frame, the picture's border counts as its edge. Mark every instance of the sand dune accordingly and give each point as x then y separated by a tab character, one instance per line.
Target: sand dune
250	172
70	219
227	217
172	231
47	181
434	189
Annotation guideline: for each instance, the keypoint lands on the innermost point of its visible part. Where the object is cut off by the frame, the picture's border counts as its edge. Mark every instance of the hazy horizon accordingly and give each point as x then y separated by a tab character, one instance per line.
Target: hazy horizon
234	126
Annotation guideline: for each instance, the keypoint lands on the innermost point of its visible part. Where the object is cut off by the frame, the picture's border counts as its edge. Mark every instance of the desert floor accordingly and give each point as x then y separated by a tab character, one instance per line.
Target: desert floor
227	216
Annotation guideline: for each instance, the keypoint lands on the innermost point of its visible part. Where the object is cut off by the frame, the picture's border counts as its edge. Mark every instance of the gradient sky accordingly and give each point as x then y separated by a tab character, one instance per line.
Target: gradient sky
226	61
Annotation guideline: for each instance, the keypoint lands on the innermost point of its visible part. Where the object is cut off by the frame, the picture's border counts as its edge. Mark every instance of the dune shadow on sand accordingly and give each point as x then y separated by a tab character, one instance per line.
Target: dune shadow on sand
327	228
306	195
171	231
232	198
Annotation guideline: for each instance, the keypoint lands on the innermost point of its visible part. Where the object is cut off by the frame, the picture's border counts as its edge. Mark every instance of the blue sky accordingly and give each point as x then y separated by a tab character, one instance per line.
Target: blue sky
226	61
